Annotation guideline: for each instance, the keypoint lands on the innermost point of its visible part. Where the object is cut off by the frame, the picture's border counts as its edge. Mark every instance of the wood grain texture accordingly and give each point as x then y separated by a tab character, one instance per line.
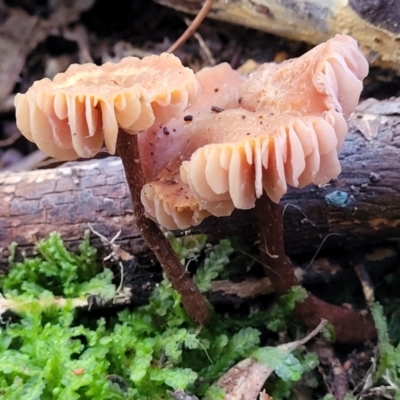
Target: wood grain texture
67	198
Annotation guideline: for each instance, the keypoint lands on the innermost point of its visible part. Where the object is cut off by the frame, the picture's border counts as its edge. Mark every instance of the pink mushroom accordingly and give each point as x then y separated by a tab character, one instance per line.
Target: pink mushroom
284	125
73	115
269	133
288	130
164	147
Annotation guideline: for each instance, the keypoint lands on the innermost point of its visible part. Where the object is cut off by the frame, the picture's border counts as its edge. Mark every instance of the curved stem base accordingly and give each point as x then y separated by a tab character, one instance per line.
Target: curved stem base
351	326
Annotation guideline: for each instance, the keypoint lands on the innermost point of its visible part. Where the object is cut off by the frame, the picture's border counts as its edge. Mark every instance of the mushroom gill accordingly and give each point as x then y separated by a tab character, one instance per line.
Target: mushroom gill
325	81
72	115
164	147
171	202
286	129
163	142
251	152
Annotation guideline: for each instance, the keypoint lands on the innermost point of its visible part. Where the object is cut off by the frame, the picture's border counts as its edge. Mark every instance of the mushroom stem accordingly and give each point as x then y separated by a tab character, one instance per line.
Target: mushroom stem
350	325
192	300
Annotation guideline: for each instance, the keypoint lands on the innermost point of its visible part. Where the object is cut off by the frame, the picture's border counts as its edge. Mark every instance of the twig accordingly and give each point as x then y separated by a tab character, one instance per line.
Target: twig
319	249
332	370
291	346
298	209
193	26
16	305
116	252
366	283
80	36
10	140
203	45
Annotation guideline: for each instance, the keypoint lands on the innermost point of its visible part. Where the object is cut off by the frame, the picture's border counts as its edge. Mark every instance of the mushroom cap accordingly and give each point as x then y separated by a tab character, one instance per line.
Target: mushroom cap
165	142
328	77
171	203
86	105
262	152
232	167
165	197
287	130
304	103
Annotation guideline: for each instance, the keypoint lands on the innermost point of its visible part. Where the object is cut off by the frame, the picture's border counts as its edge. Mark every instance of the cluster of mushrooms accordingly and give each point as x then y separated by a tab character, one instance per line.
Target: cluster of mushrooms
195	145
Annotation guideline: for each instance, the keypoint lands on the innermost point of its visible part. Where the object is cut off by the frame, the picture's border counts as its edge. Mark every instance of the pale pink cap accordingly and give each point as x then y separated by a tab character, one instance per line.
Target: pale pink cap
171	203
85	106
287	130
165	198
218	86
252	152
290	133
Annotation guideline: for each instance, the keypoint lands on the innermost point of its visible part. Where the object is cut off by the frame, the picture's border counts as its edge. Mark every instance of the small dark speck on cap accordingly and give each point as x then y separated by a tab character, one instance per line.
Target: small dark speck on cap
165	131
188	118
240	99
243	116
216	90
217	109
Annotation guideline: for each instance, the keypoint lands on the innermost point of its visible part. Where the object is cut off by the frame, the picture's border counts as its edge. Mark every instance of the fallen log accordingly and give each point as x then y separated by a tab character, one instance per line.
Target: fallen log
361	207
373	23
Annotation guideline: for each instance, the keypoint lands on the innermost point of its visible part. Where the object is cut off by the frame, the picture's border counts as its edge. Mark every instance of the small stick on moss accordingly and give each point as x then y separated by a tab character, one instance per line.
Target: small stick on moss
366	283
192	300
123	296
350	326
193	26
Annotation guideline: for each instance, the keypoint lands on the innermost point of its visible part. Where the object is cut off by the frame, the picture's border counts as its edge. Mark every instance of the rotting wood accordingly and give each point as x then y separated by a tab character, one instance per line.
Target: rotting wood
67	198
373	23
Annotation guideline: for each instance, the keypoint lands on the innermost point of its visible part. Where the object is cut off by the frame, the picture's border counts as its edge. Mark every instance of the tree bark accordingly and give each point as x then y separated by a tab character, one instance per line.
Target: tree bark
366	210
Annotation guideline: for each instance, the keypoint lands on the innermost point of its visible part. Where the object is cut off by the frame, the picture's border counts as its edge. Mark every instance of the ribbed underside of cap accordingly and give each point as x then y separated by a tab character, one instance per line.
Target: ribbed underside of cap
84	107
286	128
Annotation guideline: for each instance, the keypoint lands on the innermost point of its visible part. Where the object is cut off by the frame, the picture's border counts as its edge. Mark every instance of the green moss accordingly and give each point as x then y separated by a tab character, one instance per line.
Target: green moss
47	353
